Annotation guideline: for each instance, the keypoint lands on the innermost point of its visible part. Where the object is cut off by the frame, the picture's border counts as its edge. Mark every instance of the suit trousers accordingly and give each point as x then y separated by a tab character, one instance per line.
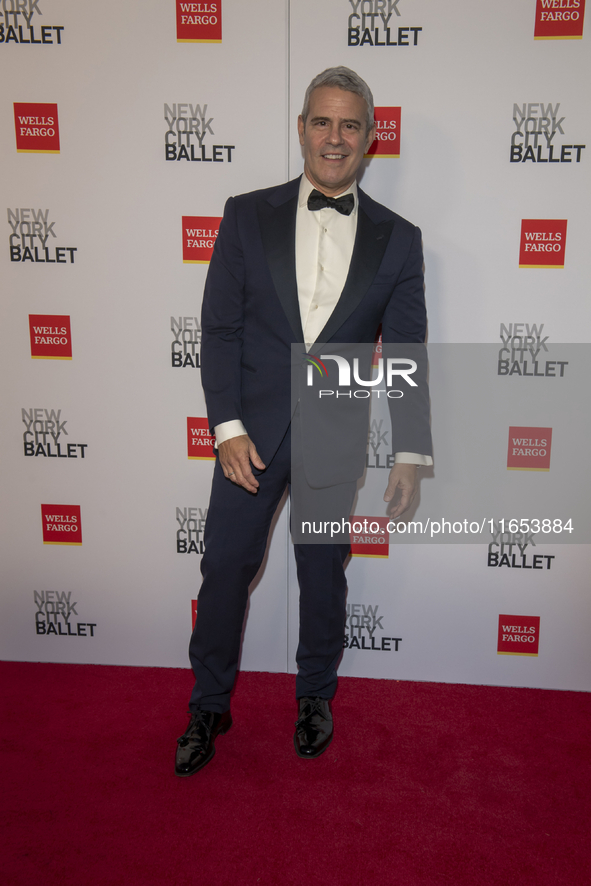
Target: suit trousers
235	537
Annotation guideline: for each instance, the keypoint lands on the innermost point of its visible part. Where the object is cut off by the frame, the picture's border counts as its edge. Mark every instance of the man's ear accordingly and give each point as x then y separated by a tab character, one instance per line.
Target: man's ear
370	137
301	128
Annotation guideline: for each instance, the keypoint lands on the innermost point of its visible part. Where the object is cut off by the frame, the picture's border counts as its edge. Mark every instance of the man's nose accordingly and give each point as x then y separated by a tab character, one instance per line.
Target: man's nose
335	137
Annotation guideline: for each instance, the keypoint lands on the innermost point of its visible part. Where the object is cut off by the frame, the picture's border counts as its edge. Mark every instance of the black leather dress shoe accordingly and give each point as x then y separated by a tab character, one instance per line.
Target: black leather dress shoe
313	732
196	747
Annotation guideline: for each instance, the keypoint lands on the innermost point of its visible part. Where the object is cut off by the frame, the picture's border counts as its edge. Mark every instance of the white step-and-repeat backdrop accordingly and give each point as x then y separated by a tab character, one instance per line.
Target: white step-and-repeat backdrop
123	129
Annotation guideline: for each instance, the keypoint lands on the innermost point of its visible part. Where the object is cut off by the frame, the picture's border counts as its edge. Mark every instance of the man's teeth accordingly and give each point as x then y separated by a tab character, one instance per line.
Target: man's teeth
334	156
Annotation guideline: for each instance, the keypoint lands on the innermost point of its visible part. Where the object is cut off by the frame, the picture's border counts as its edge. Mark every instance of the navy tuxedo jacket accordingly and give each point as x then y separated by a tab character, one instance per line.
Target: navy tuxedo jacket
251	313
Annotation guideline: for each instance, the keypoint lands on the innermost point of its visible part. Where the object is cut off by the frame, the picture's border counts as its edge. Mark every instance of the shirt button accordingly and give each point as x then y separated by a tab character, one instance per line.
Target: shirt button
326	230
314	308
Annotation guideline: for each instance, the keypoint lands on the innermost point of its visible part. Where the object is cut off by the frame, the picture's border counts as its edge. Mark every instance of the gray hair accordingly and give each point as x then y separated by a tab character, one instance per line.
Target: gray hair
346	79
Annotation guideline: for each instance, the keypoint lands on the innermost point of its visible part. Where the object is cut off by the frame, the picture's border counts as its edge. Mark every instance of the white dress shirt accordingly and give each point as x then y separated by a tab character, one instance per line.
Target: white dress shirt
324	246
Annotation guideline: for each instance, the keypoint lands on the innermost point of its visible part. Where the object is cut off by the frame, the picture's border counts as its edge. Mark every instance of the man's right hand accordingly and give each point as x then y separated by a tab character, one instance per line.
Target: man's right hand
236	455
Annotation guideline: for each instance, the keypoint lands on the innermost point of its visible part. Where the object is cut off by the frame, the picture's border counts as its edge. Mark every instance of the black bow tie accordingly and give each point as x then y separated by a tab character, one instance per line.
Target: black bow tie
343	204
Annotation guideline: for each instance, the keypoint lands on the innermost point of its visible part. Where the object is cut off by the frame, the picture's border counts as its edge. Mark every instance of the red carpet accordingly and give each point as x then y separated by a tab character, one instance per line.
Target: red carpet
424	784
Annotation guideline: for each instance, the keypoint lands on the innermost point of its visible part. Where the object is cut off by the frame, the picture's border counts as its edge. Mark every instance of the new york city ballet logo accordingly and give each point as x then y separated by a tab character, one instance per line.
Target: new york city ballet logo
525	352
529	449
190	526
189	133
200	443
518	635
62	524
199	235
376	23
510	542
19	23
199	22
186	342
45	433
51	336
536	137
37	128
379	450
559	19
363	629
387	140
53	615
31	238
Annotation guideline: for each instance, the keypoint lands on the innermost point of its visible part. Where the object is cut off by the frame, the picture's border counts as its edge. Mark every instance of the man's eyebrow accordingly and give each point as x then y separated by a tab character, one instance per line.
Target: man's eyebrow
344	120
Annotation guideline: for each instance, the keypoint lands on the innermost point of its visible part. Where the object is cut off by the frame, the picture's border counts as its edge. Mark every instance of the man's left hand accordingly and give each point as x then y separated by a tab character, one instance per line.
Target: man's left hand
404	479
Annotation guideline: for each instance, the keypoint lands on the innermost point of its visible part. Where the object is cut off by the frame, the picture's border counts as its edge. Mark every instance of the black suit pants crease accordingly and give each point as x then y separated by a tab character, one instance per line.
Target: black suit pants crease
235	537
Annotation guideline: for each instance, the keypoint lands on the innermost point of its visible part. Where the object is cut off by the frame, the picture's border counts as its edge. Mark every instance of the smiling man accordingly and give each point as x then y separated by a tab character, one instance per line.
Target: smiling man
335	133
313	260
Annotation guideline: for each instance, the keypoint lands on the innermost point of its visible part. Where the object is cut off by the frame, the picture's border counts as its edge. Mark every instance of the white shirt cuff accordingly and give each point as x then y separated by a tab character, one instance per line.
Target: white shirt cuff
228	429
412	458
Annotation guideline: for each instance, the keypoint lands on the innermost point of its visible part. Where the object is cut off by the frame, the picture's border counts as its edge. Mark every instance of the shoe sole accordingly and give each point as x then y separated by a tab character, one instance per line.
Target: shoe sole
207	759
311	756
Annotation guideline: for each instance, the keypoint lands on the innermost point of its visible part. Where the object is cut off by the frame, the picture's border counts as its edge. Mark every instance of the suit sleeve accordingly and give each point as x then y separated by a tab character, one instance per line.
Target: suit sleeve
404	328
405	317
222	323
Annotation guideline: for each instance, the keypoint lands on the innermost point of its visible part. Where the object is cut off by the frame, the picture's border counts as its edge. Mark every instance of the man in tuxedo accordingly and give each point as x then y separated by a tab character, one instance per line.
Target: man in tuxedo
311	261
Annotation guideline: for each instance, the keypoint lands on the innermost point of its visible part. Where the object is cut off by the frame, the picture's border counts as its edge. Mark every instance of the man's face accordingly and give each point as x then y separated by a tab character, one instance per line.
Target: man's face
334	138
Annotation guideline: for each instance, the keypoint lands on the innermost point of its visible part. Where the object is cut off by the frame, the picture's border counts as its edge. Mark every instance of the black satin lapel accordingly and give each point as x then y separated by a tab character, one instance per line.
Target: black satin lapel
278	224
370	245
